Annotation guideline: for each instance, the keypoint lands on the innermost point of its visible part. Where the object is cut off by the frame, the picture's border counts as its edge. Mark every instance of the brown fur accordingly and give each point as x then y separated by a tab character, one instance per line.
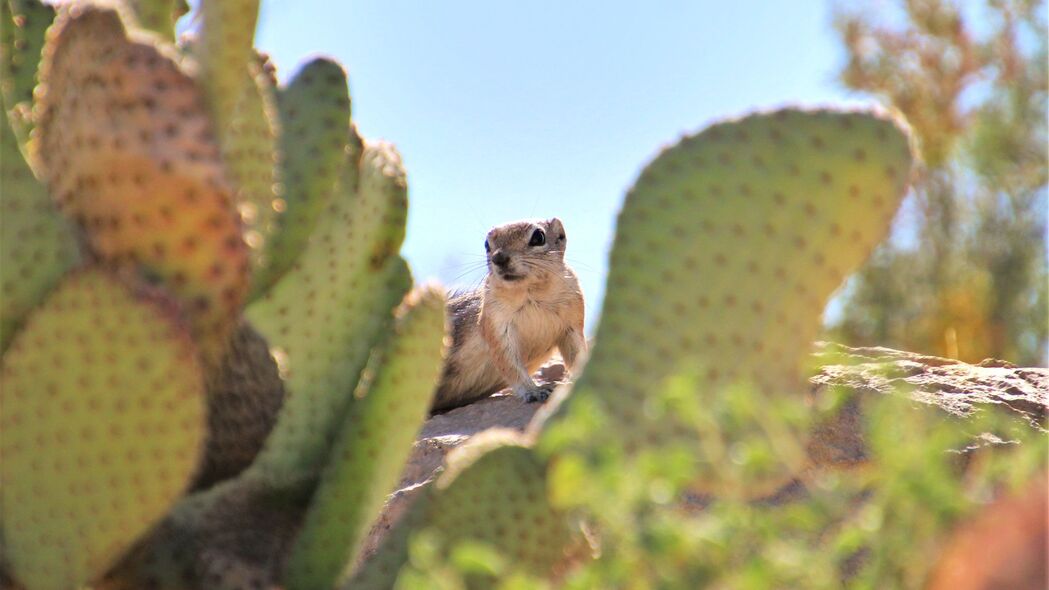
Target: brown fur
506	330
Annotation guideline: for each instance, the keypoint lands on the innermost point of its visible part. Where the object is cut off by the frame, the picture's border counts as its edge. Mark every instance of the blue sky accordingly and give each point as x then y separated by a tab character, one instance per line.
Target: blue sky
509	110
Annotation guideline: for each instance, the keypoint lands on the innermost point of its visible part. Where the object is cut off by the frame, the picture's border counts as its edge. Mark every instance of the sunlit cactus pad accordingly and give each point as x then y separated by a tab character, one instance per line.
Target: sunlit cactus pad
373	445
323	318
224	51
726	251
314	112
127	149
249	150
102	426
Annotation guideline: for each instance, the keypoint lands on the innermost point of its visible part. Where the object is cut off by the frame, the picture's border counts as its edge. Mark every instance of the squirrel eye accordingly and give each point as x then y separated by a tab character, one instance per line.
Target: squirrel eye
487	246
538	238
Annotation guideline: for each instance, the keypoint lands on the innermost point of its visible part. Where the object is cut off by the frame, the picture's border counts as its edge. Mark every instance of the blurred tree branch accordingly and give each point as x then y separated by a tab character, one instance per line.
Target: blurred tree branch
972	283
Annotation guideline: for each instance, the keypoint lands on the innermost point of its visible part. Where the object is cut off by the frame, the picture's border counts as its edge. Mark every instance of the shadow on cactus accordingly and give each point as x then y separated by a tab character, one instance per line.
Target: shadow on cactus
215	363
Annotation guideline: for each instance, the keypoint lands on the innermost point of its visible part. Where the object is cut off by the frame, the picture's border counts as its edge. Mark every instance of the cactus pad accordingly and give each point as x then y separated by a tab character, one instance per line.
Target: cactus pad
379	570
102	426
314	115
158	16
22	27
494	492
127	150
371	448
323	318
36	242
249	148
726	251
224	51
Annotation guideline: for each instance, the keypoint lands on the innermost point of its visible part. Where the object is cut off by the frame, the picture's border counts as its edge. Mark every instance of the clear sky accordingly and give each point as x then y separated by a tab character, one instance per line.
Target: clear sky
507	110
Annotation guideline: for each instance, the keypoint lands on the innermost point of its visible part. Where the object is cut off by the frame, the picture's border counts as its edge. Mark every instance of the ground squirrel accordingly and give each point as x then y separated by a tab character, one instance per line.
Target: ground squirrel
529	304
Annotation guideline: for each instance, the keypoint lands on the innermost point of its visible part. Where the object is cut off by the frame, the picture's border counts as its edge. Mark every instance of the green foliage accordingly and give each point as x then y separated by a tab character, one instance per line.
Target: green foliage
971	283
102	426
878	525
371	448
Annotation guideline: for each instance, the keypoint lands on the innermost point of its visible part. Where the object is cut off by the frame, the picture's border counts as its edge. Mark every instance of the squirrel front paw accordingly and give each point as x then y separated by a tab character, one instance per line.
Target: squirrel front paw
539	393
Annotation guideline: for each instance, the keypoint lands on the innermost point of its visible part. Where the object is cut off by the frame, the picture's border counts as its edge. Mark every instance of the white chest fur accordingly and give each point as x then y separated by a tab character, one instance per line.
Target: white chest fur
535	324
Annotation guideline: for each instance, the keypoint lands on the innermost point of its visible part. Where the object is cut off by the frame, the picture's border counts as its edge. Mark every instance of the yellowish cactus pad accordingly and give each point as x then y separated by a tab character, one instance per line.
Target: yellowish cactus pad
128	151
102	426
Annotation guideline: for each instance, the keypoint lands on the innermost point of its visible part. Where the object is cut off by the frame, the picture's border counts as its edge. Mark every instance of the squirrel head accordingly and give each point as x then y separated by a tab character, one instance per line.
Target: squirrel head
526	251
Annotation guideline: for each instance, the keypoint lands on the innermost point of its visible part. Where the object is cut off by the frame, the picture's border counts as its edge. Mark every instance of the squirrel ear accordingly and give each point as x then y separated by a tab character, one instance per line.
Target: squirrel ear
555	226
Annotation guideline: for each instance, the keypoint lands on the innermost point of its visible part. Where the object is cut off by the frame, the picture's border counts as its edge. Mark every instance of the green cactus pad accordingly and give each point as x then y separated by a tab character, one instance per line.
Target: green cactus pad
23	24
36	242
379	570
141	174
323	318
224	50
102	426
244	398
494	493
249	148
314	115
158	16
369	453
726	251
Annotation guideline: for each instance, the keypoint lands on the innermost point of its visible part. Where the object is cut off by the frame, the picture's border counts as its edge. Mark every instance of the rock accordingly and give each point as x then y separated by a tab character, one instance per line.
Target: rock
955	387
444	432
958	389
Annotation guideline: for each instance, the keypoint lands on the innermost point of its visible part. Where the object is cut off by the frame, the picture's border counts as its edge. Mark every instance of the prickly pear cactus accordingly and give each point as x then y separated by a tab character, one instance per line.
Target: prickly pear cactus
314	114
224	51
380	570
36	243
757	220
495	492
249	150
372	447
166	167
323	318
21	42
102	427
145	182
158	16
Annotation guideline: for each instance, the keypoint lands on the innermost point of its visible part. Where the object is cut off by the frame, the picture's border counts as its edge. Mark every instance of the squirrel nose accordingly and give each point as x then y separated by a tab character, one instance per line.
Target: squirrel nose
500	259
